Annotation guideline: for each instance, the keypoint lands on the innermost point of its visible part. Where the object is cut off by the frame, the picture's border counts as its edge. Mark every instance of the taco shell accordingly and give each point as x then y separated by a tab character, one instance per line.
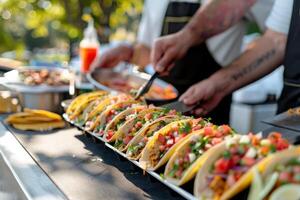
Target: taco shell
125	129
201	182
41	126
150	127
152	148
192	170
120	116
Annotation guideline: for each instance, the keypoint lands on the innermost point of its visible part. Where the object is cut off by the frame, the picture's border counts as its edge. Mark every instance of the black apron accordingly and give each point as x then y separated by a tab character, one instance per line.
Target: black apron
290	96
197	64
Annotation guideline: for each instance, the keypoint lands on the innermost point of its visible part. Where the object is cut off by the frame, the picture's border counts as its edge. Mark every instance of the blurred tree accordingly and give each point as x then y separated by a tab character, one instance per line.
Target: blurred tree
26	24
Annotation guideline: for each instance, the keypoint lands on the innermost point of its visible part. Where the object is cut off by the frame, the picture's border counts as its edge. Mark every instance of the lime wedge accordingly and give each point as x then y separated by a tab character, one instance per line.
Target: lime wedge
256	186
269	184
286	192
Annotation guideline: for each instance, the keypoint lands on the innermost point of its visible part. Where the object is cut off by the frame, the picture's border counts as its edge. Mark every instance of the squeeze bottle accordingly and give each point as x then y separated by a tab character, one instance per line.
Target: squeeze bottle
88	46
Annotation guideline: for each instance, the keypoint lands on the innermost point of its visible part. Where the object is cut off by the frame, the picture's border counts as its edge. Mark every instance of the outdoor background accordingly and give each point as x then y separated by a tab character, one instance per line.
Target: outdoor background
46	29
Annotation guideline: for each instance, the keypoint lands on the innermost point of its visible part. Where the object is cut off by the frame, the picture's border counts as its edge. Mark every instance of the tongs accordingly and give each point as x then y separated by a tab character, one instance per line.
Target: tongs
146	86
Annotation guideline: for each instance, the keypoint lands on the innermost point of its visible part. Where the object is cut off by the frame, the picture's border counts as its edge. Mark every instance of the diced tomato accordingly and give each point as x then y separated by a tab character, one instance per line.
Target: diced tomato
238	175
127	139
178	173
233	149
264	150
133	130
161	139
101	132
282	144
138	124
225	129
222	165
109	135
162	148
180	161
148	116
248	161
186	158
235	159
145	140
255	141
208	131
275	135
285	177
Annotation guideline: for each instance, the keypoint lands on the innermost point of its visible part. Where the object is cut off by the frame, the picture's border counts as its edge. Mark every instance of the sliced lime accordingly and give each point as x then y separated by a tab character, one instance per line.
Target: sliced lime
269	184
286	192
256	186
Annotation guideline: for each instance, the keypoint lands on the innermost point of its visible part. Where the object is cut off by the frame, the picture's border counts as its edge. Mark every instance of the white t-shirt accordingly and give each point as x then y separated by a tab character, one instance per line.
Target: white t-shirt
280	17
224	47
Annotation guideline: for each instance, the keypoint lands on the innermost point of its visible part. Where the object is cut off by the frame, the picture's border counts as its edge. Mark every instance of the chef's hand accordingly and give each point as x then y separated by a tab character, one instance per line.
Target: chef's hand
114	56
206	93
168	49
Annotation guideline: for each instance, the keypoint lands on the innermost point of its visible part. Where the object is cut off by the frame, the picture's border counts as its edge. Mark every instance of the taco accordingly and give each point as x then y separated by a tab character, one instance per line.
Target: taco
83	103
227	171
92	119
73	105
190	155
119	121
131	128
138	143
40	126
110	113
278	180
80	120
164	143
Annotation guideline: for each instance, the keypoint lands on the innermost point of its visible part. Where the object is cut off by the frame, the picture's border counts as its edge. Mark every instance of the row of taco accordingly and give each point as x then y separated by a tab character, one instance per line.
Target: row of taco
221	160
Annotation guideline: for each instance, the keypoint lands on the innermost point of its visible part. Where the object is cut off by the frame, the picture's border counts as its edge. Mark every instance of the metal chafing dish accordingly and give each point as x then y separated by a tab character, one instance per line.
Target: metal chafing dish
41	96
99	76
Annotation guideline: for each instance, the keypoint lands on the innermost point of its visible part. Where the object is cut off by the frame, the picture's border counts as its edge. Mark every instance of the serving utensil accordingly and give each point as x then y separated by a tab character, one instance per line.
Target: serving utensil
180	106
145	87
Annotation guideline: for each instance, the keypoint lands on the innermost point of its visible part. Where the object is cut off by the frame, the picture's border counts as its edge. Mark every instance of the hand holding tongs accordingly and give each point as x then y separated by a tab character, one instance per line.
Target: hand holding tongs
145	87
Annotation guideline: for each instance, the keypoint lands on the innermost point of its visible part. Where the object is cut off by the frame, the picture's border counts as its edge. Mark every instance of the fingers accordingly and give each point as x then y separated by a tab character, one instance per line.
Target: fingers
166	61
156	53
191	96
200	111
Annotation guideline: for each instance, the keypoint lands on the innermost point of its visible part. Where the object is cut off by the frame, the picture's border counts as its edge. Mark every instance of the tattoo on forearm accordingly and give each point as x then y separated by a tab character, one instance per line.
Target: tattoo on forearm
255	64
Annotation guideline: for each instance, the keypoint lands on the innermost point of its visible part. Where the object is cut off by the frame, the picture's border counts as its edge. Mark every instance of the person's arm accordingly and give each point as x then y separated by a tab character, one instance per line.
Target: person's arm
213	17
261	57
138	54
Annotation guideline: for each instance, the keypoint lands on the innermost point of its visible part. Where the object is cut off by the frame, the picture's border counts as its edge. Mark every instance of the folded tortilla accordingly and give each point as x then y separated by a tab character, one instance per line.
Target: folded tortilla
181	152
150	157
109	100
41	126
102	120
81	105
280	158
125	130
152	127
29	120
43	113
119	121
201	178
73	105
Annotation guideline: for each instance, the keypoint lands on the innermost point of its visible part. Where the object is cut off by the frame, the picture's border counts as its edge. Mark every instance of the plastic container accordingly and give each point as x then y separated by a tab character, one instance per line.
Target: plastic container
89	47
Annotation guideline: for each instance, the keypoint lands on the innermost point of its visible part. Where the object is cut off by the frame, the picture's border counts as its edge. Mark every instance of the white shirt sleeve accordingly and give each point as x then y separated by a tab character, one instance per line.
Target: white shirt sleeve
152	21
280	17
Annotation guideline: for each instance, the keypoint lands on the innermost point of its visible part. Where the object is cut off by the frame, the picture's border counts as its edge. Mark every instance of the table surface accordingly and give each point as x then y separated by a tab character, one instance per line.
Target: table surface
84	169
